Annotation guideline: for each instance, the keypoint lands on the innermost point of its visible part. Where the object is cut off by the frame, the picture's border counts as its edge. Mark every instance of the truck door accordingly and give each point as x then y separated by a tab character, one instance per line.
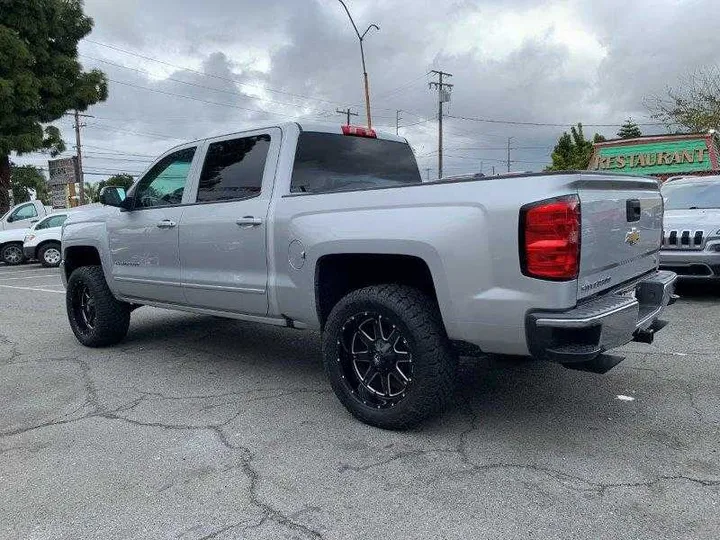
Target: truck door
223	236
143	240
21	217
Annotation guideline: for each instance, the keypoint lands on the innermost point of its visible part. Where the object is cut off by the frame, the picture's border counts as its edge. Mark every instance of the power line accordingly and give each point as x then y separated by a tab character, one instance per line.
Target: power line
132	132
220	77
542	124
196	85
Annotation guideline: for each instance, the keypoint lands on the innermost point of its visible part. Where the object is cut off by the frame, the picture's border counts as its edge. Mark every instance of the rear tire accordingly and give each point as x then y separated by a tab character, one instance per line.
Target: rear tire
96	317
12	254
388	357
50	255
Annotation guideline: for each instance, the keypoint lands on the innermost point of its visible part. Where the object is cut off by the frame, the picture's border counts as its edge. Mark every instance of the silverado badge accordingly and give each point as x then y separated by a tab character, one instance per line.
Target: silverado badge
632	237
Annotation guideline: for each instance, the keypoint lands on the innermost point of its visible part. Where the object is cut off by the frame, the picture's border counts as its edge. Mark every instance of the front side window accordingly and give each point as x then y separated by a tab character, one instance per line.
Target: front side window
691	196
233	169
24	212
164	184
332	162
51	222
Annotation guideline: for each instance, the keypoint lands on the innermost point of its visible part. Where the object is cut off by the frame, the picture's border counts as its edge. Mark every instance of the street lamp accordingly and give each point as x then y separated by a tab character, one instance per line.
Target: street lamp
361	37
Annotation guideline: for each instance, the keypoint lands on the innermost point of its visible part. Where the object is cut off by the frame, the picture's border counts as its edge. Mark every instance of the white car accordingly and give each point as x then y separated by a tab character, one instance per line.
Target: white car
42	241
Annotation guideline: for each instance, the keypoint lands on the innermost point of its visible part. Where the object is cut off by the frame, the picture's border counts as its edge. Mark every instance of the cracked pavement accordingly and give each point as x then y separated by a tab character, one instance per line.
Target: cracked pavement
196	427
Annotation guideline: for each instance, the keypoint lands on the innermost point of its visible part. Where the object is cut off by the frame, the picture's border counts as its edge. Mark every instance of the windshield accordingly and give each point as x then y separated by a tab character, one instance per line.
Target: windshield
691	196
331	162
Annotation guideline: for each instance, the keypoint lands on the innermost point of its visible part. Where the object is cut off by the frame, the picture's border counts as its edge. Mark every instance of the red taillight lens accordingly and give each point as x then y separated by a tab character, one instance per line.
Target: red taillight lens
550	239
356	131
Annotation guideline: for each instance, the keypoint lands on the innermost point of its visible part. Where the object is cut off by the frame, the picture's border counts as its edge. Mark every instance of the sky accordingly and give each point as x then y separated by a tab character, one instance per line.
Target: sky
181	70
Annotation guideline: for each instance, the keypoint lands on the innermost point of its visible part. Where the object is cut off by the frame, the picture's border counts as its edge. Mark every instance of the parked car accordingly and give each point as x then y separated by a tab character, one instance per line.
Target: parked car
23	215
332	229
691	236
11	246
42	241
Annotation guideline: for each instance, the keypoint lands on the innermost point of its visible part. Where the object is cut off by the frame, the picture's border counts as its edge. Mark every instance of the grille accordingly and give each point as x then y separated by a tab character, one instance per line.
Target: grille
683	239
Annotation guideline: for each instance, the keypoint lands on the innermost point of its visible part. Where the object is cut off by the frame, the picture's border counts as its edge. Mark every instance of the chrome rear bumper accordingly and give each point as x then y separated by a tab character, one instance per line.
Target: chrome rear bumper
587	331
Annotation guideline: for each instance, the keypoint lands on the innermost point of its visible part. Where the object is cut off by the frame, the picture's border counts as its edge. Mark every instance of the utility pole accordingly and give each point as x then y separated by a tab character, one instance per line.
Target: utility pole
397	121
347	112
81	178
443	89
508	153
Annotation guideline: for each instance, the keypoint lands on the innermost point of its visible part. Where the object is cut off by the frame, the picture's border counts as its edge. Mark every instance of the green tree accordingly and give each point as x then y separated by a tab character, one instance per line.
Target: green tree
573	151
629	130
40	76
692	105
121	180
25	178
92	192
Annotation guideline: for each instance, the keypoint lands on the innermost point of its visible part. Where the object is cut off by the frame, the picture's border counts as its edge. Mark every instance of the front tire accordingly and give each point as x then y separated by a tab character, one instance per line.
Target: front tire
96	317
388	357
12	254
50	255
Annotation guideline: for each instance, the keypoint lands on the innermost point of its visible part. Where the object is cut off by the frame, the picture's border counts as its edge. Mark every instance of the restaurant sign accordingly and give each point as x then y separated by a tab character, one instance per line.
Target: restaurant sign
657	158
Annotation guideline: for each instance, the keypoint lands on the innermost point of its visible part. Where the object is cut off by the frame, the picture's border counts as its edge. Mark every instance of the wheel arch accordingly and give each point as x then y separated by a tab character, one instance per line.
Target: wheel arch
36	251
77	256
338	274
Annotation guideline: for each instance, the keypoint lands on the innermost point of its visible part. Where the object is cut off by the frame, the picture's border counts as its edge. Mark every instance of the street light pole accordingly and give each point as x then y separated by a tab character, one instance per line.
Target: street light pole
361	37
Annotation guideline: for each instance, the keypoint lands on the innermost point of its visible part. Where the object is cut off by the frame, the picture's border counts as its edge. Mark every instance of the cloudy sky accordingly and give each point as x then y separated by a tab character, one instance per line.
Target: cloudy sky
182	70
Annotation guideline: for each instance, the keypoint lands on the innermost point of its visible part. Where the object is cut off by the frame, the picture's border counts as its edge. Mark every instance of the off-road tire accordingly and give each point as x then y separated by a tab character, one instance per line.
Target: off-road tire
111	317
42	253
9	260
434	361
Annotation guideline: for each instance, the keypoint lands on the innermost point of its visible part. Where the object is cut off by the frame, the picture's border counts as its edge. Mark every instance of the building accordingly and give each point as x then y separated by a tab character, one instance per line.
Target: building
662	156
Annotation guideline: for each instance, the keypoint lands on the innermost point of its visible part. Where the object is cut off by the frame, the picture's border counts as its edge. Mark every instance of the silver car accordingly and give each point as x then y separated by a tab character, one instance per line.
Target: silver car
691	236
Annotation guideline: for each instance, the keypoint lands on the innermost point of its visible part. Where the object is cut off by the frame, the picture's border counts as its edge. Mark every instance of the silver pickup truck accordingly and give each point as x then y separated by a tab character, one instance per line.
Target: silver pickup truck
332	229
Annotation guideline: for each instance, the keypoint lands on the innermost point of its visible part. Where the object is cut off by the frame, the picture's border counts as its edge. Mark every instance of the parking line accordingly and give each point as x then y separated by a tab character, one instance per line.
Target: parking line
9	270
30	277
31	289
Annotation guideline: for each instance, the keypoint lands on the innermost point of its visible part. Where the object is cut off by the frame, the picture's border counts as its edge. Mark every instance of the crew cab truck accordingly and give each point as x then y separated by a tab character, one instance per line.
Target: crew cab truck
332	229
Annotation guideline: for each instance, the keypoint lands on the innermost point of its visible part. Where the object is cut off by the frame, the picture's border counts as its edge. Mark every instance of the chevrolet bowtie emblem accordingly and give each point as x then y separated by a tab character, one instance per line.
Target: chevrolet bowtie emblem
632	237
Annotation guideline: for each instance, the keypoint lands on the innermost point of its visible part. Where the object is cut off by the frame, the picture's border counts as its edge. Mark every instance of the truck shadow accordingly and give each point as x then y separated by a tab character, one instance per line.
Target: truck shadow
498	388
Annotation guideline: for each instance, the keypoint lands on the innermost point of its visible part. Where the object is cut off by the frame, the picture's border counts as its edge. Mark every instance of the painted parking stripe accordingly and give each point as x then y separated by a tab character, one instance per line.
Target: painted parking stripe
31	289
8	270
30	277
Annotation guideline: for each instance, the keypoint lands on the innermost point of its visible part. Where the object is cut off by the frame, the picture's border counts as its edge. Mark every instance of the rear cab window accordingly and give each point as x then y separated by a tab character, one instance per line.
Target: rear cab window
327	162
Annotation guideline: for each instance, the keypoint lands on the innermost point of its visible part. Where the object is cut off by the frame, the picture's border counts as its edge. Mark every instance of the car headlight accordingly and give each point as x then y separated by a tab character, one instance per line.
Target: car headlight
29	238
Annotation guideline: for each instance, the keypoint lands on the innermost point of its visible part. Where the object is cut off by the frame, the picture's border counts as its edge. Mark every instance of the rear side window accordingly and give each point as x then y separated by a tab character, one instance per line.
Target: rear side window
331	162
234	169
51	222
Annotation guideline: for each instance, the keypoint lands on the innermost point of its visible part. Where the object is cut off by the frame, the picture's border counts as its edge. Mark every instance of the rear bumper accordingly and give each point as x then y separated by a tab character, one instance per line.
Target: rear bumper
583	334
691	264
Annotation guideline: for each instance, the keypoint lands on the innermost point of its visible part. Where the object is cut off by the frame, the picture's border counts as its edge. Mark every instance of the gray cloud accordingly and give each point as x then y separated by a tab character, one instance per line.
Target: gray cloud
522	60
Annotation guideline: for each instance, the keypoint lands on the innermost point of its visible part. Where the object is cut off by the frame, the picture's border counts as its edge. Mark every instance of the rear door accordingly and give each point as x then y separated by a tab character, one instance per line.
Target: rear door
223	236
621	230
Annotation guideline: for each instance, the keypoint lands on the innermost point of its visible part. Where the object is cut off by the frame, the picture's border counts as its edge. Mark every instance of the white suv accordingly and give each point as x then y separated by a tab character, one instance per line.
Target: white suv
42	241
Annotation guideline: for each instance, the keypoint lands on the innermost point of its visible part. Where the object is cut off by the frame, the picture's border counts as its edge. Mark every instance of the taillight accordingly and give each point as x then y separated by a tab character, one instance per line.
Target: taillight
357	131
550	239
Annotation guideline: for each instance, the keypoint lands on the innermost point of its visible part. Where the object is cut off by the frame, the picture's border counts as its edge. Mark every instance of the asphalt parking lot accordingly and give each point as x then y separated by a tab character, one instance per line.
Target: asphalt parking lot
196	427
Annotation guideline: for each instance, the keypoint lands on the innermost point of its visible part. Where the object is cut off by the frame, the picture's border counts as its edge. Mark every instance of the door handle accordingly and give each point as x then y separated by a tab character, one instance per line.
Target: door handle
166	224
249	221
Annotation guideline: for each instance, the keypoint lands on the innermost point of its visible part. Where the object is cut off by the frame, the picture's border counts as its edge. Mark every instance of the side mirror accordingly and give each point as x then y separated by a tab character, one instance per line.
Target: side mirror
113	196
10	219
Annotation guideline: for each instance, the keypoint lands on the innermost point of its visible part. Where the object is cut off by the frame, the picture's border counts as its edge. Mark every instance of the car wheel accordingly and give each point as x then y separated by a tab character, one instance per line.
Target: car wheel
12	254
50	255
388	357
96	317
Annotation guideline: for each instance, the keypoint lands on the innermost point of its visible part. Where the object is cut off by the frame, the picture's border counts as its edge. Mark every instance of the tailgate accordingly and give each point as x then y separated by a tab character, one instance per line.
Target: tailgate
621	230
